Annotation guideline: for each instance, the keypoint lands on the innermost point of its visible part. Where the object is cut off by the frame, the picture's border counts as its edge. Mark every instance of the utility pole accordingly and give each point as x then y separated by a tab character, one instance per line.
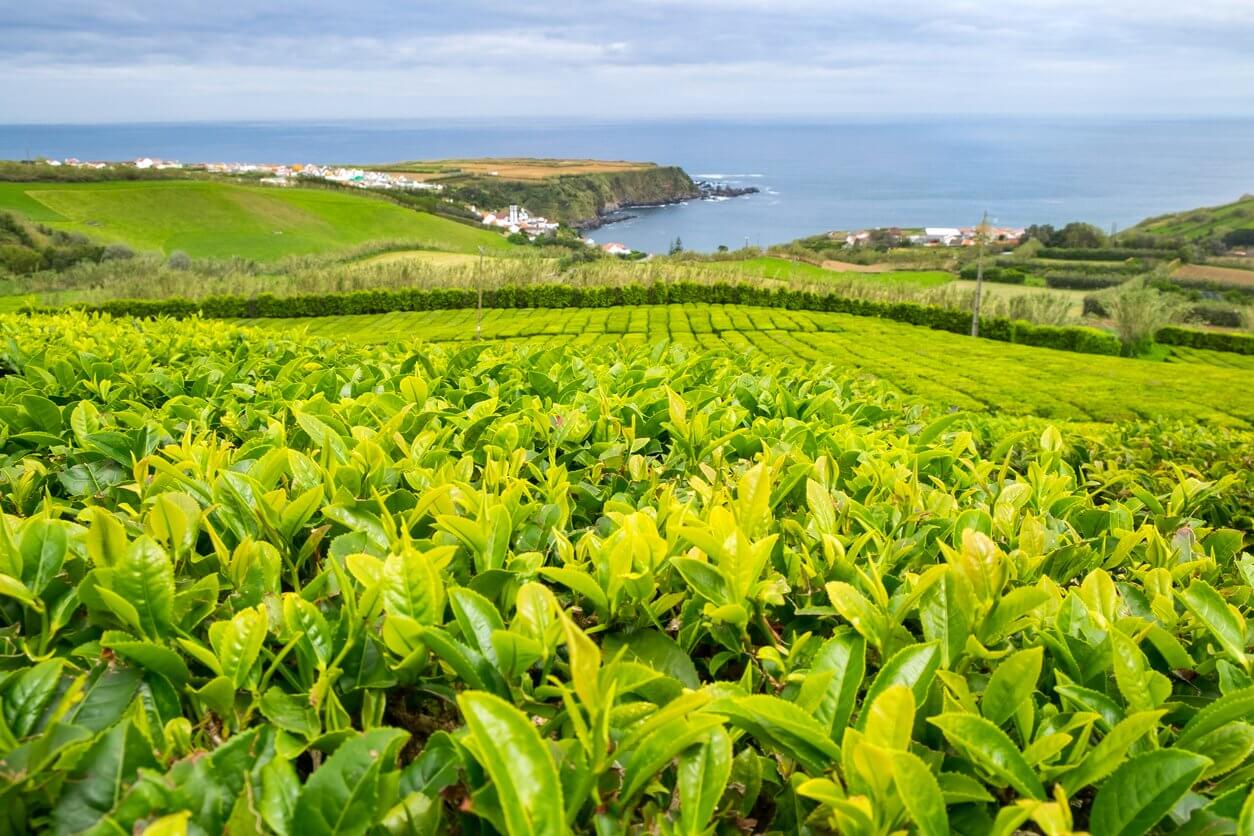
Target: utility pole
981	233
479	282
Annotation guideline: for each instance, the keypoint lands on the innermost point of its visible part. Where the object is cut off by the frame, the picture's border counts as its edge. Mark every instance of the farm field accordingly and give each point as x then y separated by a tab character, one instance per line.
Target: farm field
945	368
273	583
214	219
1211	273
800	271
515	168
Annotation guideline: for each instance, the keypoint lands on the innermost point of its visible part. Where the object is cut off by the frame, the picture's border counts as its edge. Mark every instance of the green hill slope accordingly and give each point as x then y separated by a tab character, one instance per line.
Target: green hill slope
1197	224
213	219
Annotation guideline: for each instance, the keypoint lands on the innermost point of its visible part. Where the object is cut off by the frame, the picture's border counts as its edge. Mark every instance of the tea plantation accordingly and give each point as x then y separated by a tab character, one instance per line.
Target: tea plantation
949	370
255	581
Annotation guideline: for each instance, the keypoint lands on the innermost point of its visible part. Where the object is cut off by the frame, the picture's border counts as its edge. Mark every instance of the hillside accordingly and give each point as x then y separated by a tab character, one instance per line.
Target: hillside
576	192
215	219
1199	224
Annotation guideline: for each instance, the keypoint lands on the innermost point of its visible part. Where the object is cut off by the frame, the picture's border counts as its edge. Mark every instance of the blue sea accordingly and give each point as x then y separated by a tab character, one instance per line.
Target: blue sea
812	177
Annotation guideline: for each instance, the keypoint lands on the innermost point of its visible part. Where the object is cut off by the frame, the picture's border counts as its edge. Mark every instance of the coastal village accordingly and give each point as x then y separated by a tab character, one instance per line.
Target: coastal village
931	236
277	175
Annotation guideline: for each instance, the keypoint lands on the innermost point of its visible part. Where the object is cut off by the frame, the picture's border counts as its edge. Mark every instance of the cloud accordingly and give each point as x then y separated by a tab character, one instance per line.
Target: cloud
132	60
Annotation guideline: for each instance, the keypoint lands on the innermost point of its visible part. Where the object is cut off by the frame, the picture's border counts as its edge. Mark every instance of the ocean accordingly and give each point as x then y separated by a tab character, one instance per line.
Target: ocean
813	177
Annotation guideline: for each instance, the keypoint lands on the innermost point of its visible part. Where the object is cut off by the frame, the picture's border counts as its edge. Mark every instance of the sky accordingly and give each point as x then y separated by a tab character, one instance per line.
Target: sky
176	60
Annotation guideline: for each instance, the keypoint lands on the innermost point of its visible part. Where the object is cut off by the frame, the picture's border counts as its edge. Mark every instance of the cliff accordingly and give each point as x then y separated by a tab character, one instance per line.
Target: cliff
579	199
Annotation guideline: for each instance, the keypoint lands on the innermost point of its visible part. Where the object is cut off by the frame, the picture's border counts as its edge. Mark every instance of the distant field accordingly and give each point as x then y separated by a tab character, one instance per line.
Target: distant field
948	368
850	267
1210	273
800	271
213	219
514	168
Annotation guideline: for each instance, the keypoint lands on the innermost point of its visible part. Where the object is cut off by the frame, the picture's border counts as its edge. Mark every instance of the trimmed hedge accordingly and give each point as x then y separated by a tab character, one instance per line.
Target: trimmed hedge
1075	268
1001	275
1103	253
1213	340
1065	338
1082	282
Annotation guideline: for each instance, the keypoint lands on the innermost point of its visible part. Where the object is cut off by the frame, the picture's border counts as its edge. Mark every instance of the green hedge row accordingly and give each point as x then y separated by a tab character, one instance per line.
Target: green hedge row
1067	338
1102	253
1001	275
1082	282
1041	266
1213	340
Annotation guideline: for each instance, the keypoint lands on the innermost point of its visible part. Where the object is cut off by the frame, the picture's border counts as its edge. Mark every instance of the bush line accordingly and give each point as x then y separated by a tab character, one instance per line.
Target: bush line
1065	338
1213	340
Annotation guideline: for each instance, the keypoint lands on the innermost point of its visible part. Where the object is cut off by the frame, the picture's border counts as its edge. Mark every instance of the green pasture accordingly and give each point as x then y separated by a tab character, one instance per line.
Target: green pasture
215	219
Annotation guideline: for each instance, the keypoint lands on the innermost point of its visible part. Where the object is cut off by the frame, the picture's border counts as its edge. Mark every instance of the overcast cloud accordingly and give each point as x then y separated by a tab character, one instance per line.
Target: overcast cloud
170	60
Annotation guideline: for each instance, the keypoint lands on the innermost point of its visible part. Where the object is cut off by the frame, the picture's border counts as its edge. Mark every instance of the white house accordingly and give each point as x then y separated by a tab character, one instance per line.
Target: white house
941	235
615	248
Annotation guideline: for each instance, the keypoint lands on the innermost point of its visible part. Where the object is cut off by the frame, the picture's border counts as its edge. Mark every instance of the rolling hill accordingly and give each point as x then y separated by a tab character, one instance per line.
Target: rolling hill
1196	224
214	219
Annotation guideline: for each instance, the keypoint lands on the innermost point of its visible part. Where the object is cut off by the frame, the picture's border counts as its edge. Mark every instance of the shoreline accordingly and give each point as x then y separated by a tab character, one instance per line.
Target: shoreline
705	191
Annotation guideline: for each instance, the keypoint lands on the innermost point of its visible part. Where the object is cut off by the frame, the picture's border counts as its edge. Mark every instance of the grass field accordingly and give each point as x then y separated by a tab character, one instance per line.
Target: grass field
993	290
8	304
949	369
424	257
514	168
212	219
800	271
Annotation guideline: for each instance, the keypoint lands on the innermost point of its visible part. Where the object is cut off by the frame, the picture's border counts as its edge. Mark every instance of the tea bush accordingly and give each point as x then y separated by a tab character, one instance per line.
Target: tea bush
258	584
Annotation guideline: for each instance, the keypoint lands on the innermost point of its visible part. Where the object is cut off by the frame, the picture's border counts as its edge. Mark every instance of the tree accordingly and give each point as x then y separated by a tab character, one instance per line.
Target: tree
1077	235
1041	232
1239	238
677	247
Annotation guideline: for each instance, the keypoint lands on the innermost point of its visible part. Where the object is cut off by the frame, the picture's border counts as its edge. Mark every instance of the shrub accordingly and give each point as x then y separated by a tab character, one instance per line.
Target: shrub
1220	316
179	260
117	252
1138	313
18	259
